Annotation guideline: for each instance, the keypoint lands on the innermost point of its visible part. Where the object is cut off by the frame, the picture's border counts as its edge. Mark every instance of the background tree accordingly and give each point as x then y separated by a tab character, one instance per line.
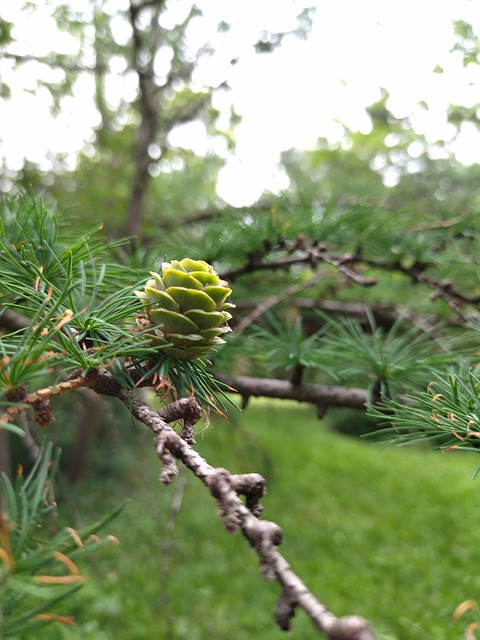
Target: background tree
147	80
349	293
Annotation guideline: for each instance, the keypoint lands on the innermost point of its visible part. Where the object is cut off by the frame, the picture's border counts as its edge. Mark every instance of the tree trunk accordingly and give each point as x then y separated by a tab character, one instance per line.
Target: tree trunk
148	109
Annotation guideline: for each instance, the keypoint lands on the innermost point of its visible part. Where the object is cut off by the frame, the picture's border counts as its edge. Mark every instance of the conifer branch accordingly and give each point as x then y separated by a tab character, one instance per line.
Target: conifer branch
348	264
263	536
39	398
238	515
316	394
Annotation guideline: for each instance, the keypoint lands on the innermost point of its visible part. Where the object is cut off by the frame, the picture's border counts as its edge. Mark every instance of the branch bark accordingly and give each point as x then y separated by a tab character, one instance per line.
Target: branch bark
320	395
238	514
263	536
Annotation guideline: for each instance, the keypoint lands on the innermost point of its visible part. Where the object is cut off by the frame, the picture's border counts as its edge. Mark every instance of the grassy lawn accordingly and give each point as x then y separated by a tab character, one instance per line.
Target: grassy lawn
391	534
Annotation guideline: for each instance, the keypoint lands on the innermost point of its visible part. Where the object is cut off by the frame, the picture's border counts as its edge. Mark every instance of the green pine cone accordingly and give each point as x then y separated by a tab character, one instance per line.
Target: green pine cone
187	308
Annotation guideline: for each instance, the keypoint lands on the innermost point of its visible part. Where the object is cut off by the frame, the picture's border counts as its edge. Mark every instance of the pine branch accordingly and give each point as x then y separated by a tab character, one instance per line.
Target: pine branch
298	253
58	61
264	536
319	395
443	289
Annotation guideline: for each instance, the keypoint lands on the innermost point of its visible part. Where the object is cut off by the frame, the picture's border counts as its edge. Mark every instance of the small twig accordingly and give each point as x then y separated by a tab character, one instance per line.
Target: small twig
341	265
272	301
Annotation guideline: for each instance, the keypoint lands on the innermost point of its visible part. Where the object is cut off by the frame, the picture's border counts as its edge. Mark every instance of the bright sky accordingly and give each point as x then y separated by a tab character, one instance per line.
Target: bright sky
286	99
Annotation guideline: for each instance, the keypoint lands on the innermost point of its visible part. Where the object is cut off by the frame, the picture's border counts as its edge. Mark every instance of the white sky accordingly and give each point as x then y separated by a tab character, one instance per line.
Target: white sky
288	98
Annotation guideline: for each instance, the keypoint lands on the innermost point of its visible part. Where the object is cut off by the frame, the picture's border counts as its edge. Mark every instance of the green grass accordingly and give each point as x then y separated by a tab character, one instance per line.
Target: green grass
391	534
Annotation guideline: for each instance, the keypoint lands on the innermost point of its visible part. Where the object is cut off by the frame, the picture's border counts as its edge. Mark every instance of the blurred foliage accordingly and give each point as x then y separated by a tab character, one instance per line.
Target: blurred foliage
38	569
391	164
382	219
100	187
137	70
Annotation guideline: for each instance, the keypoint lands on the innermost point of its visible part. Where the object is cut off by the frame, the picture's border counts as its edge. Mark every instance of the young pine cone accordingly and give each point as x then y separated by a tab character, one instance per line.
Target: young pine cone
186	307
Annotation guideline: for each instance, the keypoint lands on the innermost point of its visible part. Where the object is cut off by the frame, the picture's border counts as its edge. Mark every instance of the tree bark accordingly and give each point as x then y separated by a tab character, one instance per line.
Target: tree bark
317	394
148	116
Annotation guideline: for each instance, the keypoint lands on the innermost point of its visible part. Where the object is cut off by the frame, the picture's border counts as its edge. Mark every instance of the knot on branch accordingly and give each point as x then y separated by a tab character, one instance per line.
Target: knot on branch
227	502
102	382
252	486
350	628
186	409
42	412
285	609
169	465
264	536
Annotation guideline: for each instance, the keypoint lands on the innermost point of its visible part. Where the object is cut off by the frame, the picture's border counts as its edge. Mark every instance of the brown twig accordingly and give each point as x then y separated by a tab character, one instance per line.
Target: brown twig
316	254
226	488
263	536
272	301
316	394
41	396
